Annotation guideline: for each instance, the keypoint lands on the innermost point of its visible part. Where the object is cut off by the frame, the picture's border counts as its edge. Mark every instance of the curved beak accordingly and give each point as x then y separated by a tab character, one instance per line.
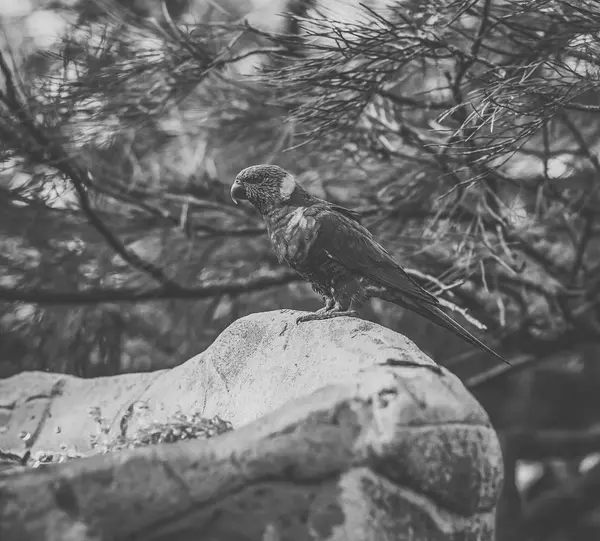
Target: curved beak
238	192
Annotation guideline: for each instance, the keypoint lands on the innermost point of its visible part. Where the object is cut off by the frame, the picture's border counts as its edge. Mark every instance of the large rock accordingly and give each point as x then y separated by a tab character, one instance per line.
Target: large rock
353	434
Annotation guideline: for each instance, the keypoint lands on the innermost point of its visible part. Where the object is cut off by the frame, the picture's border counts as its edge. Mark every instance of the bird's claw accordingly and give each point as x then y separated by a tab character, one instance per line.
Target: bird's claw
318	316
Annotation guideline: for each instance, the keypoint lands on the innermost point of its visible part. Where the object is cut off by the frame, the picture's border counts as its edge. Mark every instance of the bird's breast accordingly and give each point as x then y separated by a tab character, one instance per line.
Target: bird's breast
292	235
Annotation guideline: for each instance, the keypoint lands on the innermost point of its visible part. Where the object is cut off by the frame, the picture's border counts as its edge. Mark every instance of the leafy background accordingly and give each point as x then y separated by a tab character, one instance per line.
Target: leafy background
466	132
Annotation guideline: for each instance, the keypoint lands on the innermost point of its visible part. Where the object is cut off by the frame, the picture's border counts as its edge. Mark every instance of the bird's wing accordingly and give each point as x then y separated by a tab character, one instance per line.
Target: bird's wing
352	246
356	216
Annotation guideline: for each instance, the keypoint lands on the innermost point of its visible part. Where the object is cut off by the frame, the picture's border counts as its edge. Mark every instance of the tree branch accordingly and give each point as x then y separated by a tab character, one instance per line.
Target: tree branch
131	295
534	350
61	161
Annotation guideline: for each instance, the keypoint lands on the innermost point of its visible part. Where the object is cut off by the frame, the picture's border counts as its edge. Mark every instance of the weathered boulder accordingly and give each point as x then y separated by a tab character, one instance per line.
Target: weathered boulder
347	431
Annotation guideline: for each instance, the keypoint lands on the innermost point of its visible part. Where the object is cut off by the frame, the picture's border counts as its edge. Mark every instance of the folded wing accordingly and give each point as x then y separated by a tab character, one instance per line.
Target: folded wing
352	246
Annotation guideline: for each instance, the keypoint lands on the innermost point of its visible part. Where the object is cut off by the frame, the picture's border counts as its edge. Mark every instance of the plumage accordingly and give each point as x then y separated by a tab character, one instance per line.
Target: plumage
328	247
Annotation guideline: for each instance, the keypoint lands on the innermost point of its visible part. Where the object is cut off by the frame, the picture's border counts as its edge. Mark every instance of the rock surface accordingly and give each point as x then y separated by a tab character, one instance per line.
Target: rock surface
353	434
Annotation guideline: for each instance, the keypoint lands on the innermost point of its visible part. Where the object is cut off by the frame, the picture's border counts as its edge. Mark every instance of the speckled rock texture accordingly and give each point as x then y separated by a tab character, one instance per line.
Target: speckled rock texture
344	431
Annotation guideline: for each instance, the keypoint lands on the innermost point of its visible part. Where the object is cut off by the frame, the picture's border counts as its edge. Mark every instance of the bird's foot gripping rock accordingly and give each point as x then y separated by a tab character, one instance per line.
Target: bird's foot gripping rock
317	316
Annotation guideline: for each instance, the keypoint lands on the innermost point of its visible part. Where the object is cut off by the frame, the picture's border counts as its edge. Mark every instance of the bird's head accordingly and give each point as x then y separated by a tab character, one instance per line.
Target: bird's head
265	186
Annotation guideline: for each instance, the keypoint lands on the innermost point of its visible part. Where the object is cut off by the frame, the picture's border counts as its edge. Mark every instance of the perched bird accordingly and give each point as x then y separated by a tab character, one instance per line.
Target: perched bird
328	247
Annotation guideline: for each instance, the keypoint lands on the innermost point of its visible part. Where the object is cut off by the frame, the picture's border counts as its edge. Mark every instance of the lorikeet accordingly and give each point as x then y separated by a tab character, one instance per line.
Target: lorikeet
328	247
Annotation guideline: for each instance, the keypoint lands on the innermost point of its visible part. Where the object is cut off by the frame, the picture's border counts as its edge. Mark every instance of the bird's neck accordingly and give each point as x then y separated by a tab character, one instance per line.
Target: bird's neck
299	198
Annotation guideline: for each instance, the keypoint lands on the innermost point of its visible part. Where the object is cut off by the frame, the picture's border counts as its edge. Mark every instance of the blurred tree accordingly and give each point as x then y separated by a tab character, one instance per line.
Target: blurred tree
467	132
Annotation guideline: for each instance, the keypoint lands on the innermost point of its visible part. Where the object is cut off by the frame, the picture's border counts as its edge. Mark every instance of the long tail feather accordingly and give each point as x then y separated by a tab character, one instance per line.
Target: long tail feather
439	317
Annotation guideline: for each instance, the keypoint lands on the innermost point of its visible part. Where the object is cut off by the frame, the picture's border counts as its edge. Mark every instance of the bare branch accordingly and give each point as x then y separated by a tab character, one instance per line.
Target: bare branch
234	286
